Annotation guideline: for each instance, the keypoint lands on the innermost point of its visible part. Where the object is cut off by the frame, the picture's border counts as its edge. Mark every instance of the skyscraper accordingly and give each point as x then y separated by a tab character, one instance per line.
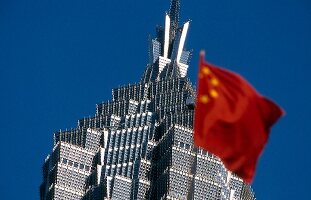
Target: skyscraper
139	145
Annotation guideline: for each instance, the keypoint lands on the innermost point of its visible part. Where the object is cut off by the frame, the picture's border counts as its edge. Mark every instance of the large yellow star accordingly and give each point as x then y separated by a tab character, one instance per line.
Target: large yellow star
204	99
206	71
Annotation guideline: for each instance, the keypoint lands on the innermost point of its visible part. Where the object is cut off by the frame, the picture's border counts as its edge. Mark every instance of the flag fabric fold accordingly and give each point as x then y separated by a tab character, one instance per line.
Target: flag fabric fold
232	120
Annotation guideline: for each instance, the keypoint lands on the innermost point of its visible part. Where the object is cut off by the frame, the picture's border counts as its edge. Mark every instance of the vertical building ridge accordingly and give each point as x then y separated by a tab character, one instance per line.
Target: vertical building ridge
139	145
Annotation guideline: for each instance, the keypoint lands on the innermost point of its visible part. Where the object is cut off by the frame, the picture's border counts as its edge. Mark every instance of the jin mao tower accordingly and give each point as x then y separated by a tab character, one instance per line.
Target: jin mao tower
139	145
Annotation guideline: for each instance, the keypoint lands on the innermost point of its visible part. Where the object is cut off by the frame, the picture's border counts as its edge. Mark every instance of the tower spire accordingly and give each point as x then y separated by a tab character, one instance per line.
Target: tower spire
174	14
168	54
174	18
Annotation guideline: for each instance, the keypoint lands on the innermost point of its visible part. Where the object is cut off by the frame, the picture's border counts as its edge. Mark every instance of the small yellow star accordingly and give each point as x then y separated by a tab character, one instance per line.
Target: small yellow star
204	99
214	93
214	82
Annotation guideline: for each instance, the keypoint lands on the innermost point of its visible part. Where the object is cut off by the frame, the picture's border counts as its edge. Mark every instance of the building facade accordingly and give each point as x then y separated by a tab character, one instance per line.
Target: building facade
139	145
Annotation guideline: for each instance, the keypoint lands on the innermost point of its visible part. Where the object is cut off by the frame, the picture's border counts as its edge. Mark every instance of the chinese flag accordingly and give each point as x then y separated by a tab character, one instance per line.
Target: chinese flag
232	120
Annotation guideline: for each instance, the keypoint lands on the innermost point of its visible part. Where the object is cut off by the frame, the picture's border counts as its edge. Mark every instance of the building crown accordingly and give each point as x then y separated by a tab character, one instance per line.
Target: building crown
168	57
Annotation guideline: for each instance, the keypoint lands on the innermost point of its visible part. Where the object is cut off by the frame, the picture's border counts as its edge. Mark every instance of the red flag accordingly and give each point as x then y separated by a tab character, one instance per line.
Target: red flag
232	120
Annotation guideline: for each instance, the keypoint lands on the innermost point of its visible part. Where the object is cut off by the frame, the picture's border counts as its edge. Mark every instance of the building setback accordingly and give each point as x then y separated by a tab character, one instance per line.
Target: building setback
139	145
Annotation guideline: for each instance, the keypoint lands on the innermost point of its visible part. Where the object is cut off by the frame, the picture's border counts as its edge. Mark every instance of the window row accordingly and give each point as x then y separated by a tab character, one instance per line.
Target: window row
80	166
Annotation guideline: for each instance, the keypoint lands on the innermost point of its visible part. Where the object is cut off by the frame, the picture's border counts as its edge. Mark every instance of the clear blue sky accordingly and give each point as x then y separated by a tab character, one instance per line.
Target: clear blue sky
59	58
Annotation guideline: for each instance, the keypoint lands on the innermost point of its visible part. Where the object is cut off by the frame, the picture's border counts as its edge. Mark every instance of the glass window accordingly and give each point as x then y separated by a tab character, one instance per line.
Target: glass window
81	166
